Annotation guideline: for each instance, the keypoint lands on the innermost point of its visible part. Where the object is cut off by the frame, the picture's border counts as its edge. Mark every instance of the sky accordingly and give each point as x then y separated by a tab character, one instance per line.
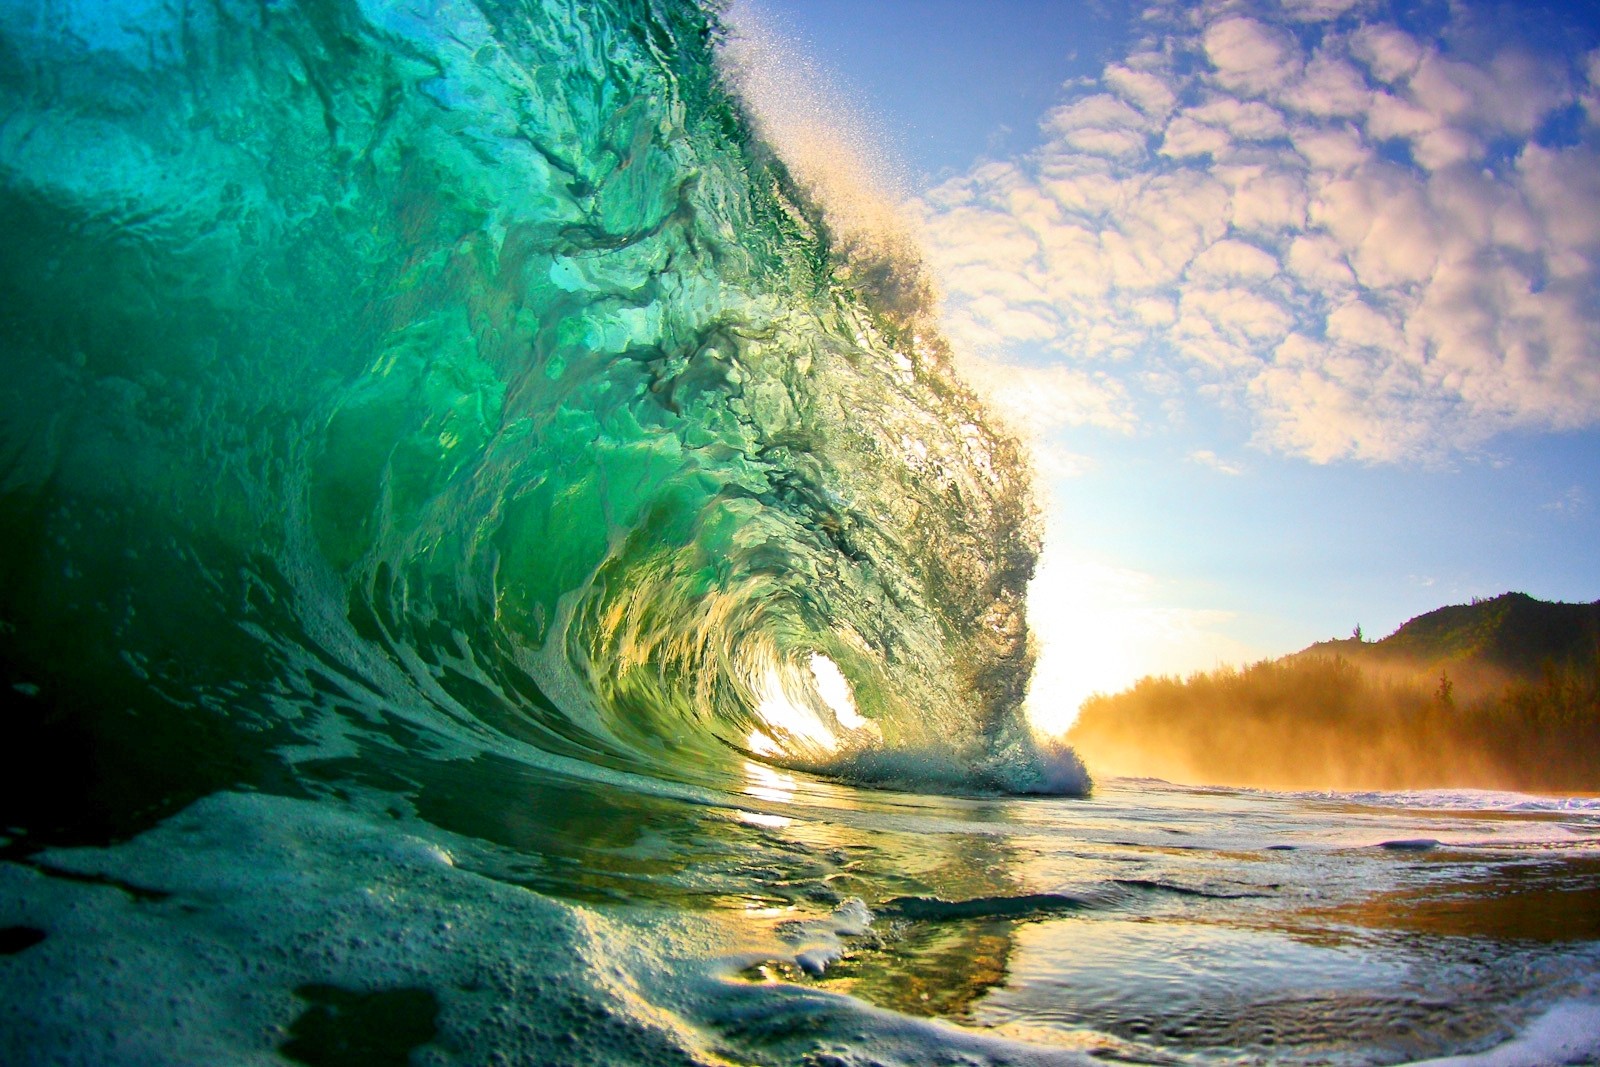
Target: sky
1297	302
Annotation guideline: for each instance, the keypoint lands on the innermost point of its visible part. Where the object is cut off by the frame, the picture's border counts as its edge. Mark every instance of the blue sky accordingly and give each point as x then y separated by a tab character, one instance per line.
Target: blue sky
1298	301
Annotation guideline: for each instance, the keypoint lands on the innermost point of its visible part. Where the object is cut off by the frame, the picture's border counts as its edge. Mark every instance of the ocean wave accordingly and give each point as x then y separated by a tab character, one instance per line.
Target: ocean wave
395	379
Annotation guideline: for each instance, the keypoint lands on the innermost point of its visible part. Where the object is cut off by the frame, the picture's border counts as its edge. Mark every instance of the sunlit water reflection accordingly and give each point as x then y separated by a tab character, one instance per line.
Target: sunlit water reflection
1159	923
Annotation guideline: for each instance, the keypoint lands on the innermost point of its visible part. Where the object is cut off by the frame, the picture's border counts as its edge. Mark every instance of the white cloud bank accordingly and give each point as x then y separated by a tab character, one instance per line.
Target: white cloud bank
1357	234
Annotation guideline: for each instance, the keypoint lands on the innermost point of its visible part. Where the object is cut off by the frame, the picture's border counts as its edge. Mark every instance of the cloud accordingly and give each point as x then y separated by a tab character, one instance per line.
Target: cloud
1389	52
1245	120
1250	57
1207	458
1232	260
1571	504
1330	88
1042	400
1590	98
1098	126
1367	242
1146	90
1187	136
1317	10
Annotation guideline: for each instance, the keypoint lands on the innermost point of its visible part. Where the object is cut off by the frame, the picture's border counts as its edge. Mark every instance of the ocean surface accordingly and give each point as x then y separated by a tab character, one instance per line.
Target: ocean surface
495	572
496	913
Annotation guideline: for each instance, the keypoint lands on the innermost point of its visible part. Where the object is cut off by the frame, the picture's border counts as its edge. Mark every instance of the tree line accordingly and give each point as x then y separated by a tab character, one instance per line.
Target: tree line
1322	721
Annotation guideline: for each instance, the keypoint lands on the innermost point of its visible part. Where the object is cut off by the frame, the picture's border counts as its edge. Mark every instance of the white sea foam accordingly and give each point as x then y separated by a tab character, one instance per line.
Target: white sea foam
820	942
1568	1033
268	895
196	943
1474	800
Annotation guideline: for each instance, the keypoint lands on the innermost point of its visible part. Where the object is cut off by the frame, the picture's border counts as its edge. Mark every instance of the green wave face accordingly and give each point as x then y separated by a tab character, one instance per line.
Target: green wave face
403	376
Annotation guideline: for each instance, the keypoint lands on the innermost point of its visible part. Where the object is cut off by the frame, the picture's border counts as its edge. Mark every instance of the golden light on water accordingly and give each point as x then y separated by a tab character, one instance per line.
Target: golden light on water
767	783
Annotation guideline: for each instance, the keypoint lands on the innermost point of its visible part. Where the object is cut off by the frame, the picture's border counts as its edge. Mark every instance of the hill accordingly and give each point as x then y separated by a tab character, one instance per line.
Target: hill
1499	693
1485	644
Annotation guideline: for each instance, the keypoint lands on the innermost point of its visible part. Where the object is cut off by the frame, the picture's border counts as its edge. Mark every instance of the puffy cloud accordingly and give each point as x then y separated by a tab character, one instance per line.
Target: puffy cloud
1316	263
1142	87
1266	200
1511	95
1392	117
1230	260
1332	150
1102	111
1351	231
1381	218
1591	96
1562	191
1250	57
1330	88
1445	148
1042	400
1099	126
1389	52
1360	325
1317	10
1187	136
1237	316
1246	120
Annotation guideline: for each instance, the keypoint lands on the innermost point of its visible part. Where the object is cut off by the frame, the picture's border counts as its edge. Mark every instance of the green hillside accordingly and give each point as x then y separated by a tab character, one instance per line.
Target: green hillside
1512	637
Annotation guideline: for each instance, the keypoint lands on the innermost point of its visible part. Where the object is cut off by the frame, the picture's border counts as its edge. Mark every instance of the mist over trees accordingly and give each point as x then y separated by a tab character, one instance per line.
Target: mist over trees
1502	693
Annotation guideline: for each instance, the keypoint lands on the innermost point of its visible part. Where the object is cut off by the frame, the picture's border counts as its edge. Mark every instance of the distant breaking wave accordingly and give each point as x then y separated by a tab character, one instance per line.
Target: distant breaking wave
396	381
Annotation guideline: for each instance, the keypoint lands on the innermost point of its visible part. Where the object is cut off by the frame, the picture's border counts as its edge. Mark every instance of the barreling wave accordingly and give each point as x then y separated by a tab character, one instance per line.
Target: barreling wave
396	379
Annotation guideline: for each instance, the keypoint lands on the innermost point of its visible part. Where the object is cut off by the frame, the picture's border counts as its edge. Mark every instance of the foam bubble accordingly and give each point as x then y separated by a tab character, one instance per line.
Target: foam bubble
820	942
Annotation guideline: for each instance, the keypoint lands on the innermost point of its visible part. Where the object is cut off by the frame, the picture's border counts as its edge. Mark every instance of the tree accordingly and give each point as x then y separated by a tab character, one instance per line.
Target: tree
1445	694
1357	634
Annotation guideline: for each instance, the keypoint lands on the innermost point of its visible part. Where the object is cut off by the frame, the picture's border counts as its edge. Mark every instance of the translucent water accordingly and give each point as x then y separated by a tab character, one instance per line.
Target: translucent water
470	372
